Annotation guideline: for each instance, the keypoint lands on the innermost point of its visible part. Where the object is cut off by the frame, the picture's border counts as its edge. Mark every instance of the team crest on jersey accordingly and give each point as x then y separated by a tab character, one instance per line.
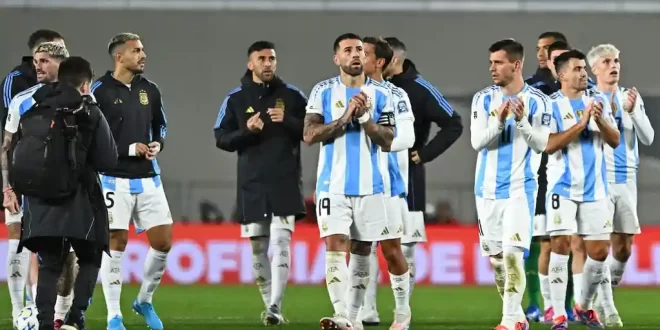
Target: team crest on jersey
144	98
615	107
279	104
402	107
579	113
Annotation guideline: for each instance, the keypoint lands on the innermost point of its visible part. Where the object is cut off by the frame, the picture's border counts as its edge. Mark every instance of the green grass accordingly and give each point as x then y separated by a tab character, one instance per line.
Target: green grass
239	307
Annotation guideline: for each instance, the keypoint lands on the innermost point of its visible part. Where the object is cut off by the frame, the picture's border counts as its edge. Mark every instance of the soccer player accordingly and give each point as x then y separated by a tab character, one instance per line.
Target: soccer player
509	129
19	79
352	117
378	55
622	163
428	106
47	58
582	124
253	122
134	191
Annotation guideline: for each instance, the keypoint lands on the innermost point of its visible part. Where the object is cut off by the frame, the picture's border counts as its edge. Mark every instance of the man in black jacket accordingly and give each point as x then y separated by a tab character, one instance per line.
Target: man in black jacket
133	190
80	221
428	106
262	120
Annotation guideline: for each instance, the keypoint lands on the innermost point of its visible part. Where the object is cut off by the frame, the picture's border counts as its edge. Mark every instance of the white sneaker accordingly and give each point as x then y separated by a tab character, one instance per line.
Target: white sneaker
273	317
613	321
401	321
369	316
337	322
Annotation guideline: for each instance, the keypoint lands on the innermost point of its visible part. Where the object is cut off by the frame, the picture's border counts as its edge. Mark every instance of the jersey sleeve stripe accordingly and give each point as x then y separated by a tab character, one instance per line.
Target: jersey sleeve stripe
297	90
95	85
6	92
223	108
437	95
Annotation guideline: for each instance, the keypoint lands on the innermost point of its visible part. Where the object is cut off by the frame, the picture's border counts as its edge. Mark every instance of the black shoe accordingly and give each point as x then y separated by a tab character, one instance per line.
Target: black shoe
75	321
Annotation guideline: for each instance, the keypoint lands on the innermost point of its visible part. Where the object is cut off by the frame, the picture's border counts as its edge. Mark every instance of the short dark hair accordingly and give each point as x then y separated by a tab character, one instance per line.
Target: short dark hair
395	43
345	36
381	49
558	45
259	46
75	71
120	40
513	49
561	60
558	36
43	35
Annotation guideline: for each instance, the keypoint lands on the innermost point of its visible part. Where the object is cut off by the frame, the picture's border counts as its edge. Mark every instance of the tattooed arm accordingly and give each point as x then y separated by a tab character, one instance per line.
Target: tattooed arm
381	133
315	131
4	159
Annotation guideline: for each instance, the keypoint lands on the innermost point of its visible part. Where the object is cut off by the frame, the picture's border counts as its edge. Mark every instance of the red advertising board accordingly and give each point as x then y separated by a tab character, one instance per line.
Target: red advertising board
216	254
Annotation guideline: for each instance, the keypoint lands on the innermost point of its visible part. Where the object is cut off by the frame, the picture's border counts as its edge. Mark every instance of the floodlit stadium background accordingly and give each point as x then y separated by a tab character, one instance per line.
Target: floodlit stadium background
196	54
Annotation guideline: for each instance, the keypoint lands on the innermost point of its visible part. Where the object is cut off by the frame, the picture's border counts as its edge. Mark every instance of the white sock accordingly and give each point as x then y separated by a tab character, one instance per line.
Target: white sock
358	267
500	274
372	288
514	286
545	291
616	270
400	287
29	294
604	294
578	287
280	264
111	280
154	268
17	274
261	268
409	253
62	306
336	279
594	276
558	275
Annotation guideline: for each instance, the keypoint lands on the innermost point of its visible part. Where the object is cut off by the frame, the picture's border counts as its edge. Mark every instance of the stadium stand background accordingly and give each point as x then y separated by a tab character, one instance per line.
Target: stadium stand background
197	57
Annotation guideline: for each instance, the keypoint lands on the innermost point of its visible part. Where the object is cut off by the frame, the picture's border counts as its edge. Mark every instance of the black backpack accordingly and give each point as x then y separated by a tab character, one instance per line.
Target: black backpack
48	156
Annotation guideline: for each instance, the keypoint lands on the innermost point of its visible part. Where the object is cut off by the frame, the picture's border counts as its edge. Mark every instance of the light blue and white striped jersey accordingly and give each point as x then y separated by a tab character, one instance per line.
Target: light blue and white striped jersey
623	161
507	166
394	165
21	103
350	164
578	171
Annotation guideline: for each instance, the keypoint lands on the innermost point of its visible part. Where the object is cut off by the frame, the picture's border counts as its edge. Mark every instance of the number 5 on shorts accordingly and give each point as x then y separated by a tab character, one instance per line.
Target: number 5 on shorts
555	201
324	204
109	199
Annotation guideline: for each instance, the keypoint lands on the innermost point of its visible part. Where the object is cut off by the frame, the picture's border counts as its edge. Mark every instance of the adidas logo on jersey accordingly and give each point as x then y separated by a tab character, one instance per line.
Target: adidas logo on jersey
516	238
385	231
568	116
249	110
417	234
339	104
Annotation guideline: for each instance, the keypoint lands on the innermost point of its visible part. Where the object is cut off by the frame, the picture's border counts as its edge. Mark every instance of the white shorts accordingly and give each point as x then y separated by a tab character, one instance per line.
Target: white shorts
259	229
13	218
623	208
414	230
362	218
397	212
142	201
568	217
539	226
505	222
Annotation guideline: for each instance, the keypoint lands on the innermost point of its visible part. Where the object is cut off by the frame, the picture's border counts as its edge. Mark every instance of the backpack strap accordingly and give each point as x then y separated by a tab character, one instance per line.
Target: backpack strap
71	134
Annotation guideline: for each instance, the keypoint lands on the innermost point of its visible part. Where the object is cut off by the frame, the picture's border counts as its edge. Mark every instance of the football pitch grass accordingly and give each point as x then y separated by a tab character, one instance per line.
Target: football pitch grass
239	308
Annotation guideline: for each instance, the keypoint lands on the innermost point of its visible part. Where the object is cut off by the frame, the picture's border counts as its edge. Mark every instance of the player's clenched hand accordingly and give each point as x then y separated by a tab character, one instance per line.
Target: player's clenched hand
141	149
414	156
154	149
503	110
597	110
629	105
254	123
10	202
276	115
361	100
518	108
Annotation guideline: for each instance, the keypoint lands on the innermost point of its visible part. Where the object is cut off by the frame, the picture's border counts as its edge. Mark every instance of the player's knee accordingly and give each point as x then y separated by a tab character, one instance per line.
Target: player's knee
597	248
118	240
14	230
361	248
259	245
560	242
408	251
622	246
338	243
577	245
